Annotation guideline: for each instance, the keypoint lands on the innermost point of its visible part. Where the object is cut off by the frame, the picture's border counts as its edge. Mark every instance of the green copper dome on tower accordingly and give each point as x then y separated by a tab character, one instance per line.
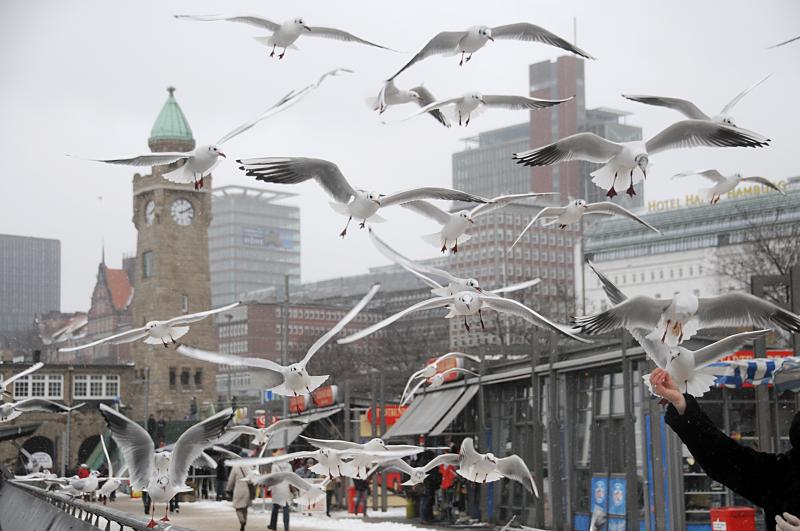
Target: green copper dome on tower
171	131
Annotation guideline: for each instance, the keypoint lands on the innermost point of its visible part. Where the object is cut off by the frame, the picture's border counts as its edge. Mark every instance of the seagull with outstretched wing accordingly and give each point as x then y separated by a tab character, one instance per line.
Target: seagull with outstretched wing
11	410
725	183
417	474
485	468
390	95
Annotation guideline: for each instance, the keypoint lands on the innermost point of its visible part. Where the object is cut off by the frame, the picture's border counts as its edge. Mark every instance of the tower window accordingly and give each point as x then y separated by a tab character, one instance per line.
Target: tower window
198	378
172	376
147	264
184	303
184	377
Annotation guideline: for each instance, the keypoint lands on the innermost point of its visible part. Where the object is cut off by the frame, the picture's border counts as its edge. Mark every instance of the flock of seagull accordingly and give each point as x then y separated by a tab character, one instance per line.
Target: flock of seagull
660	325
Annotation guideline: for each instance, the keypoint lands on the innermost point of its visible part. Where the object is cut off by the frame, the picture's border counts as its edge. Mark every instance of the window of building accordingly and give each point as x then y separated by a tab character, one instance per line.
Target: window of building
39	386
172	377
184	303
95	386
184	377
198	377
147	264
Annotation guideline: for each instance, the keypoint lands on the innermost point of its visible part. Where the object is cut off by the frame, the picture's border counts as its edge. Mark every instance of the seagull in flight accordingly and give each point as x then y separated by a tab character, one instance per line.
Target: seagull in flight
11	379
465	304
450	284
485	468
417	474
363	455
725	183
162	474
469	41
621	158
199	162
473	103
575	210
456	224
430	370
156	332
348	201
283	35
390	96
690	110
437	380
329	462
261	436
294	379
312	492
784	42
11	410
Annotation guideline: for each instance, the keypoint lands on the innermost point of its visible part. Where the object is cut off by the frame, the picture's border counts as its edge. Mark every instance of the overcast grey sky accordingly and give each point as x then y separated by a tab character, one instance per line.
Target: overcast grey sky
88	78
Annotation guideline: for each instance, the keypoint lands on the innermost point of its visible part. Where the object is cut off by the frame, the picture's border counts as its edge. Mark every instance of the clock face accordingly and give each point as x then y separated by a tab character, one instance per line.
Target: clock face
182	212
150	212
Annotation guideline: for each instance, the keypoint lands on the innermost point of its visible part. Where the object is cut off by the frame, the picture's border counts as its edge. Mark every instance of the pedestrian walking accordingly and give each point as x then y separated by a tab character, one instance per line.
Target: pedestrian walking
240	490
222	478
281	496
362	493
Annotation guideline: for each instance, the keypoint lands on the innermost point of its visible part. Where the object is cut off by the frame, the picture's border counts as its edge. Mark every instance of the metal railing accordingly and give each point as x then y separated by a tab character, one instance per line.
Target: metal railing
102	518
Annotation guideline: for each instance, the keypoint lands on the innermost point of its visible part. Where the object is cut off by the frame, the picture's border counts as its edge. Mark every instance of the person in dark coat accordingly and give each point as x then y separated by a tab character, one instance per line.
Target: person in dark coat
770	481
362	493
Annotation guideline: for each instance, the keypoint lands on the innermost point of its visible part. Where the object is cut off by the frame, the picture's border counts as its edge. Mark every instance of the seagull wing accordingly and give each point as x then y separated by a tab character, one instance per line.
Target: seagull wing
730	105
276	371
523	31
417	374
426	98
400	465
442	43
635	312
340	35
333	444
199	316
289	100
766	182
657	351
685	107
724	347
468	456
419	270
40	404
457	355
436	302
416	194
546	212
428	210
149	159
582	146
459	369
710	174
33	368
444	459
501	201
431	107
517	287
136	445
108	459
252	20
122	337
744	309
269	480
283	424
614	294
607	207
319	343
407	398
282	170
784	42
696	133
518	103
258	461
513	467
512	307
193	441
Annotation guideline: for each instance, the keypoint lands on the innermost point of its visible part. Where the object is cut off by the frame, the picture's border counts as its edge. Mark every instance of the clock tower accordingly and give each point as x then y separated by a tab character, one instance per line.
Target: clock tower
172	276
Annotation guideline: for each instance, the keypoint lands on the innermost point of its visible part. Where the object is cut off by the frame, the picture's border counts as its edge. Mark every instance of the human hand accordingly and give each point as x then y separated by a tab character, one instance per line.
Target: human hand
665	386
788	522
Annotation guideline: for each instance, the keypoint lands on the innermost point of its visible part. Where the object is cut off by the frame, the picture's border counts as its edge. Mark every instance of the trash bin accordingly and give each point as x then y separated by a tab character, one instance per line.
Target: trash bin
733	519
351	499
411	507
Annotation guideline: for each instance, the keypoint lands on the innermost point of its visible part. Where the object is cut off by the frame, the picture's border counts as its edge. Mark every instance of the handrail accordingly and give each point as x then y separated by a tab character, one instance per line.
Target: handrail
90	513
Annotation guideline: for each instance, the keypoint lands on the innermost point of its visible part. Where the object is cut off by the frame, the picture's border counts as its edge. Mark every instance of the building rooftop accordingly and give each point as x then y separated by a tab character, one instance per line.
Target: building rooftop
250	192
119	286
171	124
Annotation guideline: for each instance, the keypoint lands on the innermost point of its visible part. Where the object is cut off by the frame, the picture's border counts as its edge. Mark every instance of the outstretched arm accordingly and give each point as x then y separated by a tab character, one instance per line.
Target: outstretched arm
746	471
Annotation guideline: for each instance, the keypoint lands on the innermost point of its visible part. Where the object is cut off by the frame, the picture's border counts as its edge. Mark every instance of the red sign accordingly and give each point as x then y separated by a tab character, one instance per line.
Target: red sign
448	363
749	355
297	404
323	397
392	414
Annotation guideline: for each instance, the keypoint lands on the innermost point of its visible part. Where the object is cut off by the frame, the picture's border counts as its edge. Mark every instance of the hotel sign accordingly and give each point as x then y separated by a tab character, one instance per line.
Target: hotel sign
694	199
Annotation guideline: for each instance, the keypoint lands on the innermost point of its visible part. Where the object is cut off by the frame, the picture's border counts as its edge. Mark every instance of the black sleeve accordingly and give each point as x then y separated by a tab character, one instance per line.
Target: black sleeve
746	471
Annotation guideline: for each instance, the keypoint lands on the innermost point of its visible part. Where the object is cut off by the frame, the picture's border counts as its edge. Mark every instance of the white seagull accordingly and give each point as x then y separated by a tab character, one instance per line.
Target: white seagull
329	462
690	110
473	103
199	162
429	370
162	474
312	492
671	321
156	332
294	379
283	35
469	41
456	224
572	212
11	410
112	482
725	183
261	436
464	304
452	284
621	158
390	96
485	468
417	474
348	201
363	455
4	383
437	380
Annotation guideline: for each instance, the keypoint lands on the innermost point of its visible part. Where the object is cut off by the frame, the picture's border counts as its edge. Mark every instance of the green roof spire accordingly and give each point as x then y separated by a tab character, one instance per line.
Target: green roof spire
171	125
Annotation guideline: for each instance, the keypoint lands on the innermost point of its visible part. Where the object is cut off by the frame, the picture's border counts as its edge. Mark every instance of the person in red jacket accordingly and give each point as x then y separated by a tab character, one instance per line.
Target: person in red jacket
83	471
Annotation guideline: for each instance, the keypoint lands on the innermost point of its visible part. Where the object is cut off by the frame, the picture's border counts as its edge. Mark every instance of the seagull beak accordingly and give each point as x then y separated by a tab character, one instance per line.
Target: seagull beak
471	220
307	28
482	101
376	202
479	289
467	305
221	154
490	38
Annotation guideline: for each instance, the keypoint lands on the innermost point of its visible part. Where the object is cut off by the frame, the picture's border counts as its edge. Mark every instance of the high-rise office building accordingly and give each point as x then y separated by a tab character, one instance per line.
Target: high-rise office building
485	166
253	242
30	280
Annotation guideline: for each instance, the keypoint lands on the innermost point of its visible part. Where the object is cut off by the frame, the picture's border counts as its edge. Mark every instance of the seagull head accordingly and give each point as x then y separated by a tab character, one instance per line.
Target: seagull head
465	214
151	324
299	22
489	456
725	119
476	96
580	203
642	161
473	283
738	176
375	197
486	32
415	95
216	151
466	298
437	380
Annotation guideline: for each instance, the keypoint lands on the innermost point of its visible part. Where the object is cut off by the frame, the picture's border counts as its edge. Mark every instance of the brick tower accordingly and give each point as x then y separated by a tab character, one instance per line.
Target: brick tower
172	275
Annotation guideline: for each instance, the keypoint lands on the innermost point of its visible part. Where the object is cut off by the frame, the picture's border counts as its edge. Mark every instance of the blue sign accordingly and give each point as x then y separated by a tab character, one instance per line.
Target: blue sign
599	494
616	500
616	524
267	395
